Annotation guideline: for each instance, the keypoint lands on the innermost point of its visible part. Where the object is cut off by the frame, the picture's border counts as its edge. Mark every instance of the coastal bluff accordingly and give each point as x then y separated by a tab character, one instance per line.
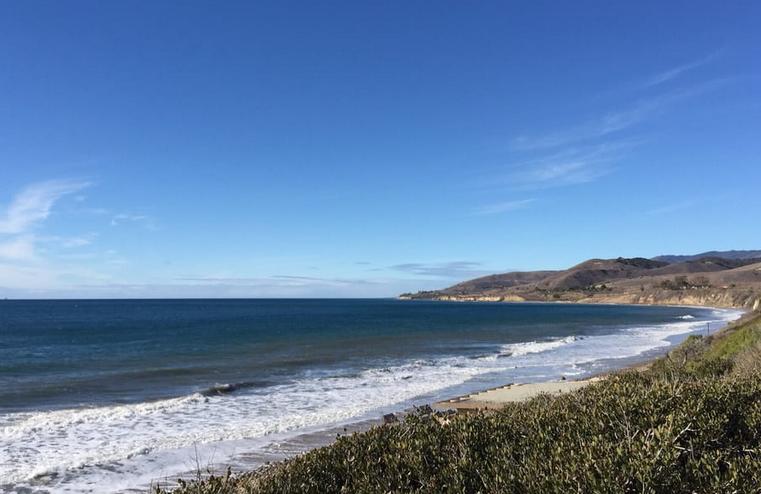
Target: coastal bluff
716	279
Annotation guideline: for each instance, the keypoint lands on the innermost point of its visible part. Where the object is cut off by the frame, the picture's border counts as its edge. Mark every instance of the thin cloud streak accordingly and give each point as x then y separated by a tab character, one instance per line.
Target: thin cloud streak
275	281
123	218
671	208
581	153
677	71
455	269
503	207
613	122
387	287
576	165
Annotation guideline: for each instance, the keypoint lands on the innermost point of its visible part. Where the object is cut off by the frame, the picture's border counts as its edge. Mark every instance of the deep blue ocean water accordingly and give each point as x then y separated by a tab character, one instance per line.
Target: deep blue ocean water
97	394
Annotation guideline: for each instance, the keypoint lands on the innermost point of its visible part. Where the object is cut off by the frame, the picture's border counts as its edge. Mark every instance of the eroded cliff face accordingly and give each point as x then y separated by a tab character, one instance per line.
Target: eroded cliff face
481	298
723	298
746	299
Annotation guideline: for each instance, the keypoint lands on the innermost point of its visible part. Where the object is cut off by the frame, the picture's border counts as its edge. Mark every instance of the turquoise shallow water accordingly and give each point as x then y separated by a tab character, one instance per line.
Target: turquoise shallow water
122	390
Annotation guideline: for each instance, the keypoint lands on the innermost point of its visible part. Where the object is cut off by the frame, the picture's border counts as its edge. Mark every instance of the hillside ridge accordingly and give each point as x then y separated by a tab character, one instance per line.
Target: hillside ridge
712	280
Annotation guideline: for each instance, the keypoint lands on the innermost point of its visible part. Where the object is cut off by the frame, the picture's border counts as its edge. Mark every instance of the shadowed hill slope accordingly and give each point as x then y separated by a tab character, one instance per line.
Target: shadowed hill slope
715	281
595	271
498	281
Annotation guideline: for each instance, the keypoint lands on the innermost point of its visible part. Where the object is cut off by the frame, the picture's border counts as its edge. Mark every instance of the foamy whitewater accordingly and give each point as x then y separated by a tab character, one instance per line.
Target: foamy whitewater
91	446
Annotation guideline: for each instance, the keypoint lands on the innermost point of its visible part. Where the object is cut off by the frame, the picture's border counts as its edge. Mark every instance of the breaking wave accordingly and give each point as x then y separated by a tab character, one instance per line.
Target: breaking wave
520	349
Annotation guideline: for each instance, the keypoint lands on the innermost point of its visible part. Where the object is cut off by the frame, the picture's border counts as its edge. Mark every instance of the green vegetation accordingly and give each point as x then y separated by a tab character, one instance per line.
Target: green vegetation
732	342
641	262
689	423
682	283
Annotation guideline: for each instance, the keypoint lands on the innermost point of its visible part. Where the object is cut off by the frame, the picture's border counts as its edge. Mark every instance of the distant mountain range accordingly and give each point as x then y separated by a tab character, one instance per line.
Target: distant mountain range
726	254
728	278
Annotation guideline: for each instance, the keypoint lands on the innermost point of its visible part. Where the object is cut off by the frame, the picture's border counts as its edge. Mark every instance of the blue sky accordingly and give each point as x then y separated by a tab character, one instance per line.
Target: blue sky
280	149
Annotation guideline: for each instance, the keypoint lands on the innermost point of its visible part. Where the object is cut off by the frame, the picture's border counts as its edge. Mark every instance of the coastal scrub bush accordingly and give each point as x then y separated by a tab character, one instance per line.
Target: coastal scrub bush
748	362
689	424
735	340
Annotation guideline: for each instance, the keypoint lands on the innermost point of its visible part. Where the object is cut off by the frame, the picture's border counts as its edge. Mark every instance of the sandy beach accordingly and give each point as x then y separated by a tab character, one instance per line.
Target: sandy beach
495	398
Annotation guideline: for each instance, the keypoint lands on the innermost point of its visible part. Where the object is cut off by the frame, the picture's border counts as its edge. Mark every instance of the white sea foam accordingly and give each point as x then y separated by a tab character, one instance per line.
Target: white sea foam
520	349
117	447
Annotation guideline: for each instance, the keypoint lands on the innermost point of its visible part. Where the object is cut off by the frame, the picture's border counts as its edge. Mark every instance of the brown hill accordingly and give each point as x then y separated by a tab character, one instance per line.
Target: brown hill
703	265
497	282
706	281
595	271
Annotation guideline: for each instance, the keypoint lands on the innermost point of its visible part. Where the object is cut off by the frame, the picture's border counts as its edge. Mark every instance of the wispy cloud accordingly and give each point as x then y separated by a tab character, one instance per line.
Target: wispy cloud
235	288
571	166
80	241
315	279
657	79
68	242
592	149
276	281
568	171
30	207
502	207
42	278
672	208
454	269
614	121
675	72
33	260
21	248
123	218
34	203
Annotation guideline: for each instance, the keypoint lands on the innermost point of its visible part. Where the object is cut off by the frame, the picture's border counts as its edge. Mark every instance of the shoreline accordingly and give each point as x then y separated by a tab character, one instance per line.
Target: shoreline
575	302
497	397
616	428
491	398
251	454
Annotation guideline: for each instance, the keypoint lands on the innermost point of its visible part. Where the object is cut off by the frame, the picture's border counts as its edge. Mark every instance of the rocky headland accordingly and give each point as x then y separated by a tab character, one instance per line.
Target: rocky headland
716	279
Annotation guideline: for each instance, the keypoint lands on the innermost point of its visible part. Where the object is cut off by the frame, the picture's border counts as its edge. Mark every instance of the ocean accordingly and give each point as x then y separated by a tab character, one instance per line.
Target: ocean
105	396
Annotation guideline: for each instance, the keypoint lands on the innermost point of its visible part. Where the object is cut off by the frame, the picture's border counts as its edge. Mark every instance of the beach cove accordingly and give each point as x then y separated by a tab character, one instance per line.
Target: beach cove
240	383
